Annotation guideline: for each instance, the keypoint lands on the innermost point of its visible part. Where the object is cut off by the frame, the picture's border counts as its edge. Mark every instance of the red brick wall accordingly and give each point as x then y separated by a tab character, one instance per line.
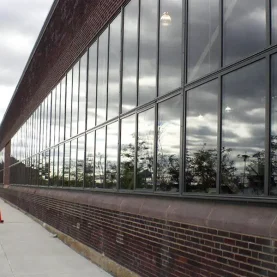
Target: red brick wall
150	245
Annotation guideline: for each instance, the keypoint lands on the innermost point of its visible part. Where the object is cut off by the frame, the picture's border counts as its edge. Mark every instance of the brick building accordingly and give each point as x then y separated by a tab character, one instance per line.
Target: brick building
146	130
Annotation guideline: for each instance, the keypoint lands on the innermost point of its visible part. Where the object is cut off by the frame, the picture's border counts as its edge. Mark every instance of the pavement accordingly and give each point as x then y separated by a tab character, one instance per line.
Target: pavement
28	250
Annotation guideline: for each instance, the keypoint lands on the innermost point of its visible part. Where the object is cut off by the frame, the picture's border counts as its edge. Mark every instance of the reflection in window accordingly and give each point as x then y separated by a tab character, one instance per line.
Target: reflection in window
100	157
130	52
148	51
57	113
170	45
114	67
61	165
145	149
273	150
51	169
48	122
75	96
67	164
62	110
92	86
111	155
102	77
244	28
274	21
201	138
53	117
80	161
203	37
68	104
243	131
73	158
83	93
127	155
168	145
89	171
56	167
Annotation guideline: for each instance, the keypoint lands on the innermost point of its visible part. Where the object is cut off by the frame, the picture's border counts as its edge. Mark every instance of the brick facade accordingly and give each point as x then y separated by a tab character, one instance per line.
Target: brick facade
126	230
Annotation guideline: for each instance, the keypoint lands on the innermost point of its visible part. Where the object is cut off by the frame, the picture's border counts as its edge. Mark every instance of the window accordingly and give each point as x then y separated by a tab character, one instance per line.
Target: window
83	94
100	157
62	109
68	105
89	170
274	21
75	100
73	160
243	130
80	162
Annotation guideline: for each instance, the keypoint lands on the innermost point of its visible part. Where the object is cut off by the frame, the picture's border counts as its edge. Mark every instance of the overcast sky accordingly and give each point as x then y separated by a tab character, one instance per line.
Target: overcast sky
20	24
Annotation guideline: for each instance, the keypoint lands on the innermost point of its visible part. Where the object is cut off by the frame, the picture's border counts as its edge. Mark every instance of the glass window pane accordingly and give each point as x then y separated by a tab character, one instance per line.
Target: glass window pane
148	51
127	155
114	67
274	21
273	183
244	28
80	161
168	145
49	120
61	164
92	86
62	109
145	149
51	169
201	138
56	167
102	77
243	130
130	55
170	45
111	159
67	164
57	112
100	158
89	180
83	93
53	117
203	37
73	157
68	104
75	97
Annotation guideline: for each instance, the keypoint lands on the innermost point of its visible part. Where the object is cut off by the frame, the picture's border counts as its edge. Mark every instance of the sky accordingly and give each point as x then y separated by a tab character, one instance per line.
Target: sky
20	24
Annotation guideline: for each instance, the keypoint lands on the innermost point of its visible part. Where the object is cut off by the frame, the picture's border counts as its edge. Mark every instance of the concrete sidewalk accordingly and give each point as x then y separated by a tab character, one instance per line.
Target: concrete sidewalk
28	250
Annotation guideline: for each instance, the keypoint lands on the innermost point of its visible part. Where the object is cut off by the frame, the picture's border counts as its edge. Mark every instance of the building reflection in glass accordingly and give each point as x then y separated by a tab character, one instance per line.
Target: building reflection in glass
168	145
111	156
243	130
100	157
89	170
145	149
201	138
80	162
127	155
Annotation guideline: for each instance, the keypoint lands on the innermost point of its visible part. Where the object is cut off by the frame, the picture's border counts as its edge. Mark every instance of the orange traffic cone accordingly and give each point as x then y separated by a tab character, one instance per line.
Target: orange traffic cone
1	220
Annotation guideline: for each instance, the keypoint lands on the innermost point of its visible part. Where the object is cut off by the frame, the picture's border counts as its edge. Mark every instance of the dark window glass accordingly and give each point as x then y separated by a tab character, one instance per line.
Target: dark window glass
57	112
203	37
274	21
201	138
49	120
89	180
100	157
44	166
92	86
73	159
102	77
145	149
61	164
53	117
244	28
170	45
168	145
273	183
42	121
68	104
83	93
148	51
127	155
67	164
114	67
80	161
243	130
62	109
111	155
130	55
75	98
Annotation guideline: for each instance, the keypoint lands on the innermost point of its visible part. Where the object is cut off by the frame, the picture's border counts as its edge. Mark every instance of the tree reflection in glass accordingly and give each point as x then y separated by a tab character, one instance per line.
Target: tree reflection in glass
168	145
80	161
67	164
100	157
243	130
73	159
127	155
201	138
111	152
89	171
145	149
